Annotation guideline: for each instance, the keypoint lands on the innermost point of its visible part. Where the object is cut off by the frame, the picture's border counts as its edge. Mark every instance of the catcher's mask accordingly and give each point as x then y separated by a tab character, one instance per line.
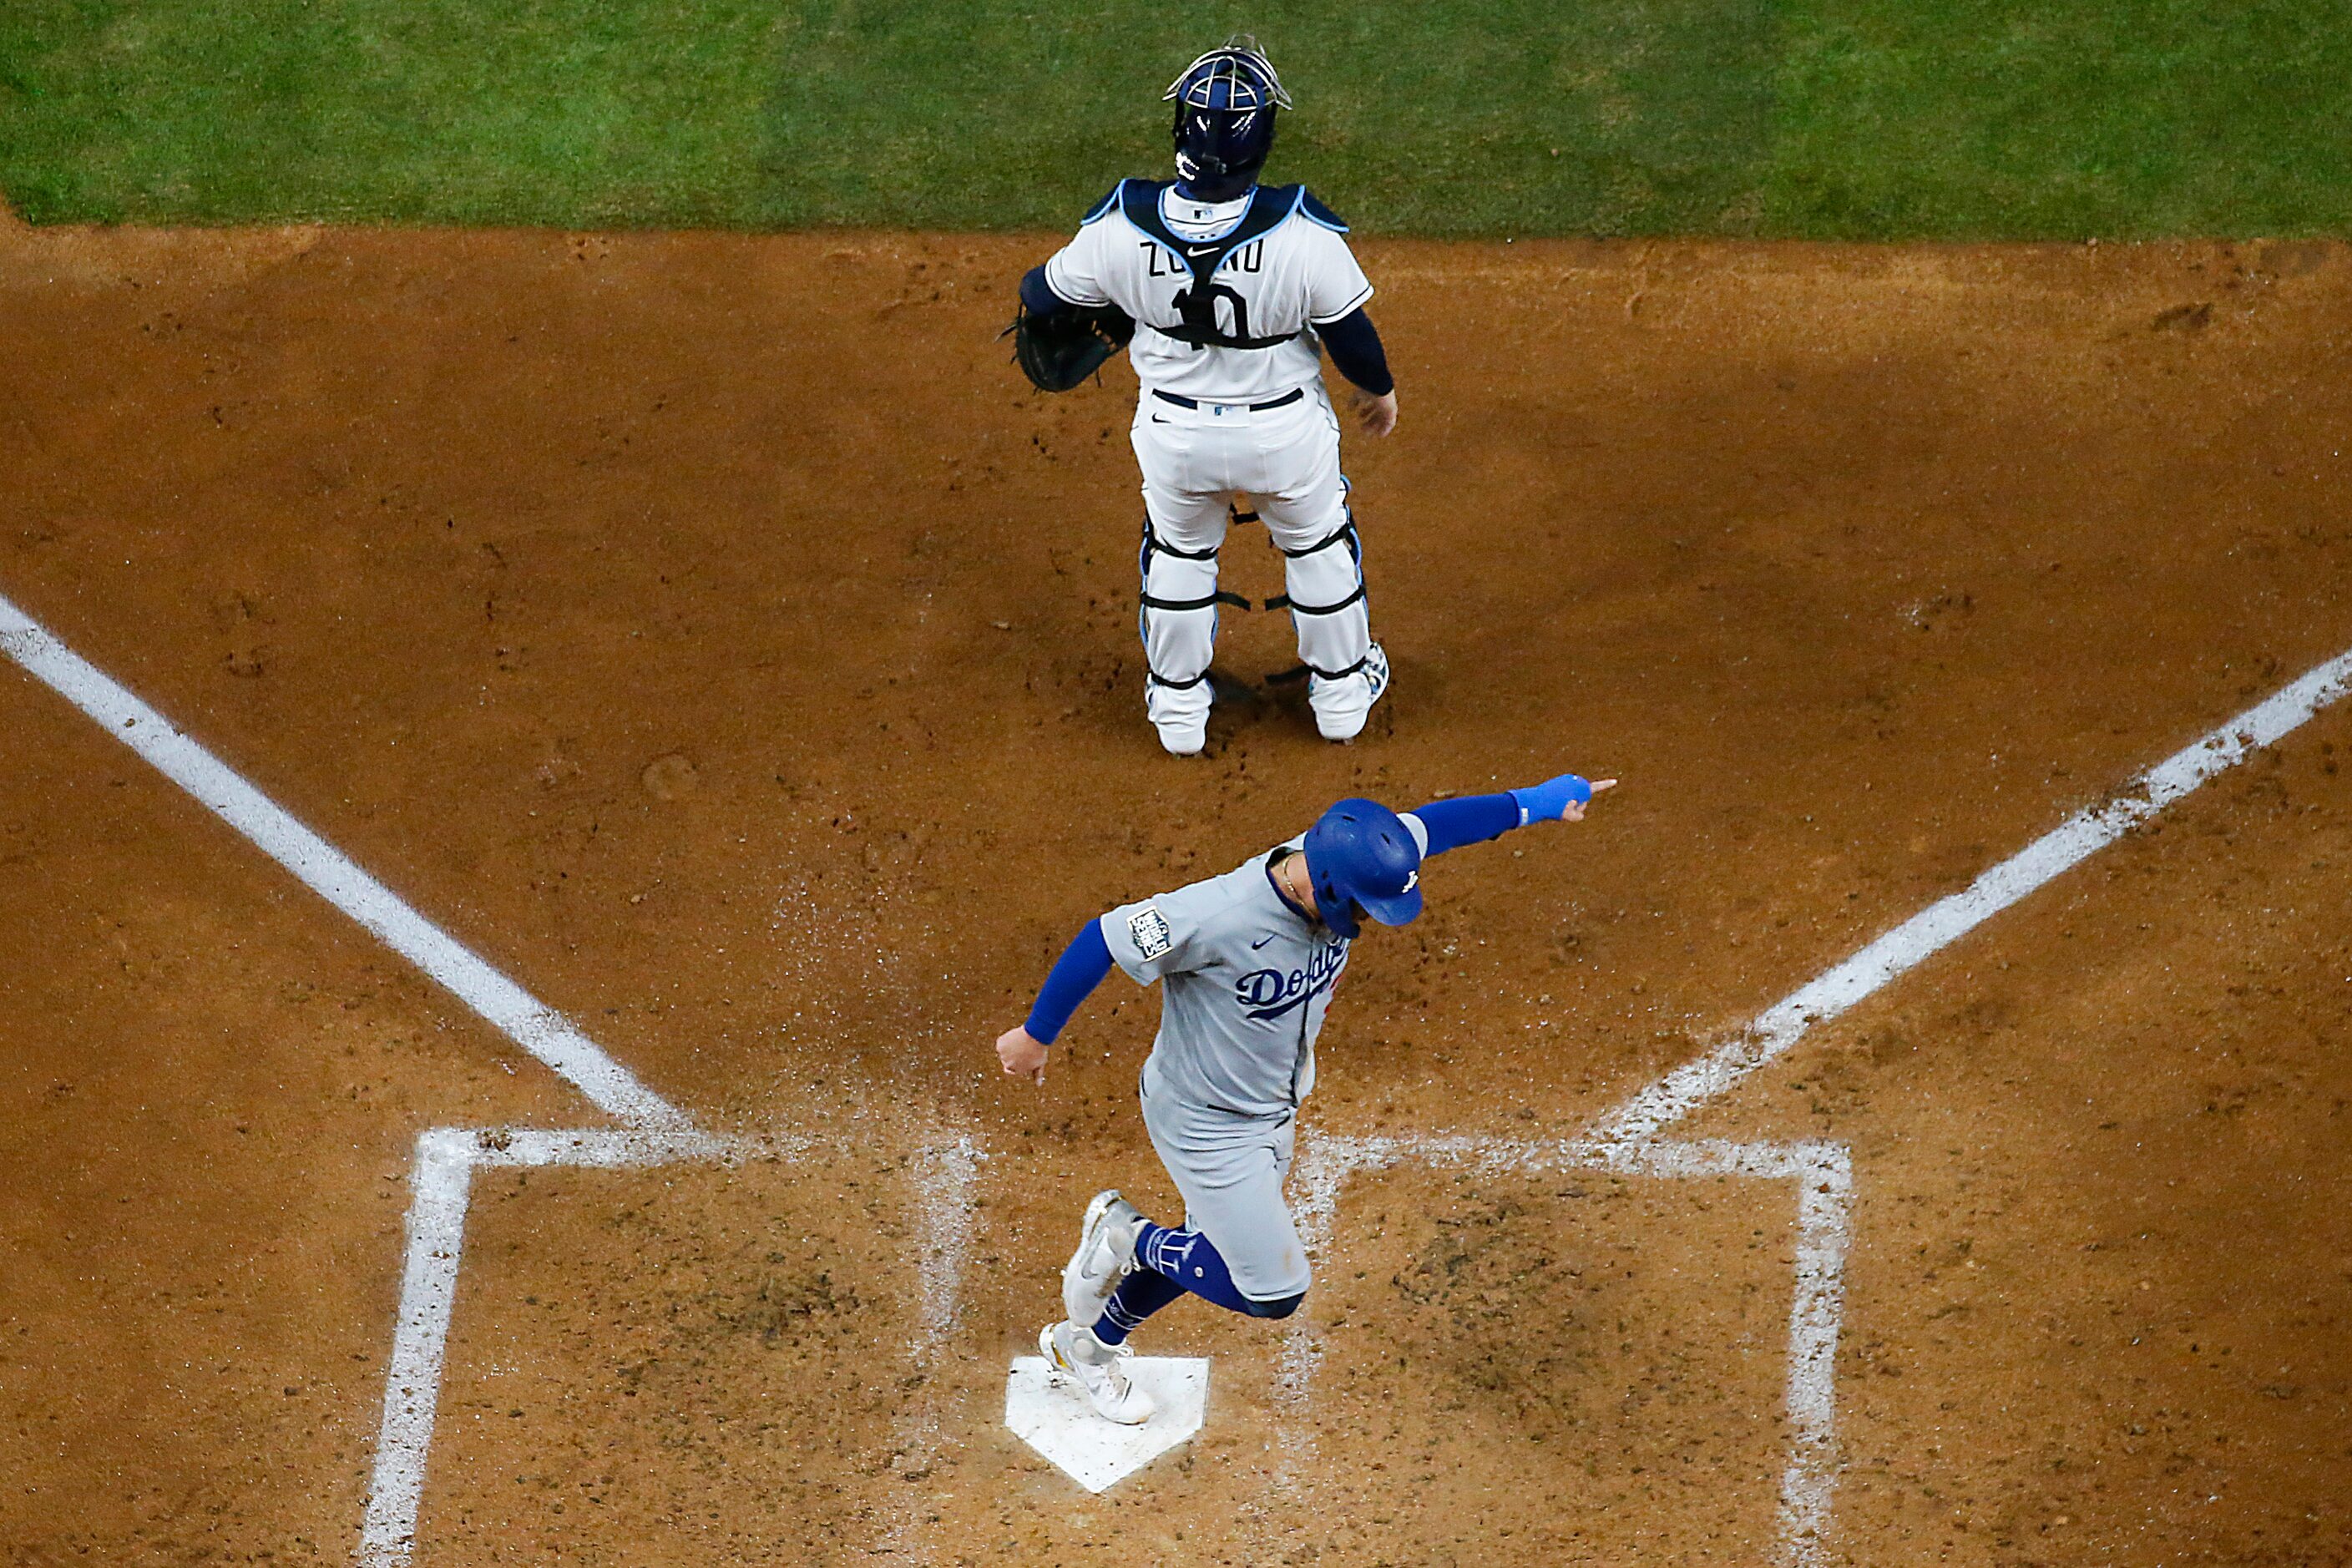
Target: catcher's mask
1225	102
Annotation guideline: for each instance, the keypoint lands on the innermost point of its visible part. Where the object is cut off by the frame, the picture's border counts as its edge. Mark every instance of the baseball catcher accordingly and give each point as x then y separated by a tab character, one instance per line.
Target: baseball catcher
1246	963
1226	293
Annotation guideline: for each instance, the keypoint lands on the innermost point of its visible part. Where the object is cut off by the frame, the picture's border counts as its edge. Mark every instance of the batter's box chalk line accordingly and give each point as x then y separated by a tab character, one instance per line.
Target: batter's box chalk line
1630	1140
1822	1173
651	1130
942	1172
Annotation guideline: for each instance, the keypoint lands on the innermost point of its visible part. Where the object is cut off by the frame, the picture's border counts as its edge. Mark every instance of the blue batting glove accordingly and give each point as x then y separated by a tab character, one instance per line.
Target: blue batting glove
1549	800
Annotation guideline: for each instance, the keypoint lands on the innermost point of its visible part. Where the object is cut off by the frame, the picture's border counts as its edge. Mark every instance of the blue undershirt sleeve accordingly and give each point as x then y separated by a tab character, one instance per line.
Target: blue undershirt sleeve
1039	296
1072	979
1472	819
1356	349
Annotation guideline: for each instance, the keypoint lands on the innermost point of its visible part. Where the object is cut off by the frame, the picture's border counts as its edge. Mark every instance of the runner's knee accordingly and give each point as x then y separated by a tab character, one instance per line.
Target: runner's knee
1280	1306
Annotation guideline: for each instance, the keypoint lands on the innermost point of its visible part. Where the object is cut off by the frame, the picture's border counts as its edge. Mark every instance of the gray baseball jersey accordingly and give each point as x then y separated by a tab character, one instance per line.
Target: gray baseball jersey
1244	981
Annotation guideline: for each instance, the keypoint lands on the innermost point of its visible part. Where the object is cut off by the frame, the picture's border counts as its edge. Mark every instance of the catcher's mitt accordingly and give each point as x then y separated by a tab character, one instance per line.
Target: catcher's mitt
1057	352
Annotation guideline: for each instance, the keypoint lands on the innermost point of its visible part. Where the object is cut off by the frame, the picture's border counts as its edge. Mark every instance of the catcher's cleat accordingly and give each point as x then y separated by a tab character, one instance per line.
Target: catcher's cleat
1342	705
1184	737
1100	1369
1106	1256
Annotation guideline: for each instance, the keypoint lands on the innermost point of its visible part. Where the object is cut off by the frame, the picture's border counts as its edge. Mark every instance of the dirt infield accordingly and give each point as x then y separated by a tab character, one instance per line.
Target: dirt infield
715	634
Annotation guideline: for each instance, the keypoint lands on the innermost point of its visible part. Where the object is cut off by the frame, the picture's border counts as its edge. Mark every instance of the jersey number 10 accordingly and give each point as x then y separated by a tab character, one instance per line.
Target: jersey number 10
1197	305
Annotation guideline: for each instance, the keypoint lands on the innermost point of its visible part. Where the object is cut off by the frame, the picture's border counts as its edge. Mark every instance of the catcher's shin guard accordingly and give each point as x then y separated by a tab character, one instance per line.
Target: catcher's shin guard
1325	584
1178	622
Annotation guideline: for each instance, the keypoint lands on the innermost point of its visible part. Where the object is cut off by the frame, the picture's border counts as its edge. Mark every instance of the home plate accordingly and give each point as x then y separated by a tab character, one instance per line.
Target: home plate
1051	1414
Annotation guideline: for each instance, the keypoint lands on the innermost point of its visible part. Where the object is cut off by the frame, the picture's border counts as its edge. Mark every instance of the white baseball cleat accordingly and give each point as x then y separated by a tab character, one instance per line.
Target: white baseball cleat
1341	706
1106	1254
1183	738
1100	1368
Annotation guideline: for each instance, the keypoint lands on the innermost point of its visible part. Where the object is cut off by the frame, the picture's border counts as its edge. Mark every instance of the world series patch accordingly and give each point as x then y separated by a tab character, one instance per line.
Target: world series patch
1149	929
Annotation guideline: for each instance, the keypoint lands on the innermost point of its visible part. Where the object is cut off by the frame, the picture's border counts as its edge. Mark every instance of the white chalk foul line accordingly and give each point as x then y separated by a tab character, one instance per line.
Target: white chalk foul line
326	872
1941	923
1628	1140
653	1130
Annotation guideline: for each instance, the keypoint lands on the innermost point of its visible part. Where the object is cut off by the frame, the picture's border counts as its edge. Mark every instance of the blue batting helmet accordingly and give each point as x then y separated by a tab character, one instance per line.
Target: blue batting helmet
1361	860
1225	102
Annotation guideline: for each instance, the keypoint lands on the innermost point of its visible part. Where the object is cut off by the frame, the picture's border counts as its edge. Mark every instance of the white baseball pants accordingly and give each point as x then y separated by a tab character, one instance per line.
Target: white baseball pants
1285	461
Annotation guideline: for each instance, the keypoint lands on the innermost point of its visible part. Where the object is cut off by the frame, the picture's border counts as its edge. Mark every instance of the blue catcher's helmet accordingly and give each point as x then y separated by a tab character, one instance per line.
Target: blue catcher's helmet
1361	860
1224	118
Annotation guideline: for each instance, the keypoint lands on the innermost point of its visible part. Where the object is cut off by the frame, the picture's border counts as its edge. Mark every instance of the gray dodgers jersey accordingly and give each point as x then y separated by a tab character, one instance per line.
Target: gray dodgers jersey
1245	985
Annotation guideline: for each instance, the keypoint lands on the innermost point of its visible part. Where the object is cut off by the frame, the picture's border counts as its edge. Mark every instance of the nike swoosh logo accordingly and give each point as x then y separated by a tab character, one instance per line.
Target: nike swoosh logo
1198	249
1261	942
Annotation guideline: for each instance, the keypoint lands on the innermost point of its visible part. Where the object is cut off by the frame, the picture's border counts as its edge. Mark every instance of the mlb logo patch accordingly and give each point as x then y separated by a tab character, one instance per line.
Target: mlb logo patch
1149	929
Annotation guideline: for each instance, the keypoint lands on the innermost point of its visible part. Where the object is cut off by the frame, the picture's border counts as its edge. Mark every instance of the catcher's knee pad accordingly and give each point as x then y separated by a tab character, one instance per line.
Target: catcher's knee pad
1325	594
1178	613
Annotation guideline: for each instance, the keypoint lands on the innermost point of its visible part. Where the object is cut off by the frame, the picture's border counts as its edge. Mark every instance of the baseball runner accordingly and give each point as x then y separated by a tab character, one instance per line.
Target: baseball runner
1227	291
1246	963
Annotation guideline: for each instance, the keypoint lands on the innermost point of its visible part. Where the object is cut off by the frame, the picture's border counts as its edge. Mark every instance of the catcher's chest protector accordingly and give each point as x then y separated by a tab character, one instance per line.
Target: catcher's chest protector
1213	315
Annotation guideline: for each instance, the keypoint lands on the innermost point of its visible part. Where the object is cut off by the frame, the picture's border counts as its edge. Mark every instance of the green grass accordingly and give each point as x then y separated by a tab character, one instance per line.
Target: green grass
2063	119
1849	118
1472	116
555	111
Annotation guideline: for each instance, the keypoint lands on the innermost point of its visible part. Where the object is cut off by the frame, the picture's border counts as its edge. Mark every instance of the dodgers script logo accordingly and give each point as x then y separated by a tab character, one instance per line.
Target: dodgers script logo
1271	993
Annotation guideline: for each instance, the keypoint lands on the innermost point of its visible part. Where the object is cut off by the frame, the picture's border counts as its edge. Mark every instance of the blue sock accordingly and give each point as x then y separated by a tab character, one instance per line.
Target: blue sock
1138	1296
1192	1261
